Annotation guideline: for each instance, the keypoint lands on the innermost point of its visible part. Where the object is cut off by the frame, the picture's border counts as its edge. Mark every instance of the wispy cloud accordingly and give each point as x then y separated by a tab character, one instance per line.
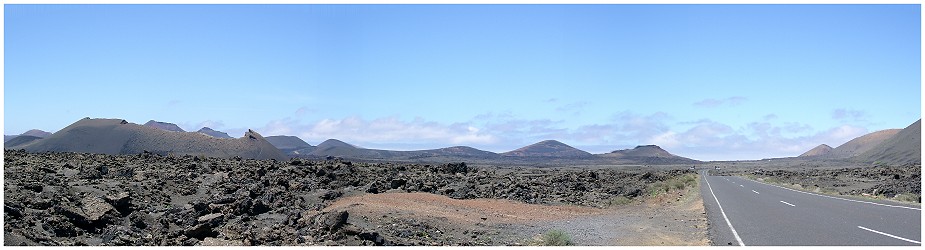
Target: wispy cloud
703	139
843	114
574	108
710	140
381	130
302	111
713	103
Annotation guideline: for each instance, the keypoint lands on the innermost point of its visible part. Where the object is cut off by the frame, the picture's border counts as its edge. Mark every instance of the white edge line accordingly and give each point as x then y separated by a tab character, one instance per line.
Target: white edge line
890	235
788	204
837	198
734	233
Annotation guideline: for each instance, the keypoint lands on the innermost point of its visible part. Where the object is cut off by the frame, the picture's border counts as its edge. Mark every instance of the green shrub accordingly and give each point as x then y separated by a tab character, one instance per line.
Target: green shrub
620	200
909	197
556	238
676	183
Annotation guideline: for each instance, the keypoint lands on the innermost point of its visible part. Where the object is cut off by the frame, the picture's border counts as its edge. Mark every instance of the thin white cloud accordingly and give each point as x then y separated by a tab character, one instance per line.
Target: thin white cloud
709	140
843	114
382	131
574	108
703	139
713	103
302	111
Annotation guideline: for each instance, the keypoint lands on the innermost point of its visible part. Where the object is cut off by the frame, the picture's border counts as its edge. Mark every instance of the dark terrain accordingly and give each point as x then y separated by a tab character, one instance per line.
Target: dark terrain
147	199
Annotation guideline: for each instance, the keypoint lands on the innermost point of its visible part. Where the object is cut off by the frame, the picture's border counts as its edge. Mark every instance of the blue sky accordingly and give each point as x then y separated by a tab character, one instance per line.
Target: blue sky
710	82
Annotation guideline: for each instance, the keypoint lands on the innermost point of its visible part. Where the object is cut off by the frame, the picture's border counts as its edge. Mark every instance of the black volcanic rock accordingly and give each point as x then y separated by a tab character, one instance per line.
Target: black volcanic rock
548	148
214	133
164	126
116	136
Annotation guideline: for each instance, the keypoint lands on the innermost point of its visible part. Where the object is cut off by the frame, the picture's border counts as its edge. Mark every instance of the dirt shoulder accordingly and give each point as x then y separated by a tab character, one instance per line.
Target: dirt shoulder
676	218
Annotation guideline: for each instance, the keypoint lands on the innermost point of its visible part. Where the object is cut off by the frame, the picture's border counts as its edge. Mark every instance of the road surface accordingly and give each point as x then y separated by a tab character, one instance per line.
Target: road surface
750	213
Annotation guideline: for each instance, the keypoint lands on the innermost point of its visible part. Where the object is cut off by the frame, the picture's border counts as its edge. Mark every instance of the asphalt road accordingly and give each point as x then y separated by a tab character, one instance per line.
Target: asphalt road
750	213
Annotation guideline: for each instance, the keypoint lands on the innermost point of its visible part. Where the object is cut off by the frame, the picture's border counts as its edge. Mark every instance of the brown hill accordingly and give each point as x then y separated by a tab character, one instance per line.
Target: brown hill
458	151
164	125
858	146
548	148
904	147
31	132
37	133
116	136
334	147
648	154
20	140
214	133
818	151
287	143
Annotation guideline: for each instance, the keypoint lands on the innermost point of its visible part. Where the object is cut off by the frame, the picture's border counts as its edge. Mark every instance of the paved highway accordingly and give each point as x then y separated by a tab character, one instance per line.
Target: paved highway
749	213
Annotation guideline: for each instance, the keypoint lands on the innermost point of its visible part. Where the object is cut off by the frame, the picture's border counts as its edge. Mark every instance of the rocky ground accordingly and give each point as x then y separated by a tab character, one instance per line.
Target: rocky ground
146	199
891	182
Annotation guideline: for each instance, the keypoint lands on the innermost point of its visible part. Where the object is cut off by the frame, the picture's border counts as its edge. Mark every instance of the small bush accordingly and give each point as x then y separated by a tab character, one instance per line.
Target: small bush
658	188
909	197
677	183
556	238
620	200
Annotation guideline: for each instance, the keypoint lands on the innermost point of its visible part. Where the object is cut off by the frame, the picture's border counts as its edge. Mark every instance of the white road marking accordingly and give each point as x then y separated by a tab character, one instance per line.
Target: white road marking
890	235
788	203
756	192
837	198
734	233
741	185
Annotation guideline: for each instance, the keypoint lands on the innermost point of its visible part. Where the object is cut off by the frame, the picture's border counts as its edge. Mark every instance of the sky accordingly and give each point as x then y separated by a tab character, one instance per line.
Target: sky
708	82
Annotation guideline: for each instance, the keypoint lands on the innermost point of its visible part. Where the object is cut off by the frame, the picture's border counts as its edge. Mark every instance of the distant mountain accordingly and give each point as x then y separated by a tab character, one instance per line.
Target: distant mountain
648	154
31	132
458	151
548	148
20	140
818	151
858	146
116	136
214	133
287	143
904	147
334	147
37	133
164	125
